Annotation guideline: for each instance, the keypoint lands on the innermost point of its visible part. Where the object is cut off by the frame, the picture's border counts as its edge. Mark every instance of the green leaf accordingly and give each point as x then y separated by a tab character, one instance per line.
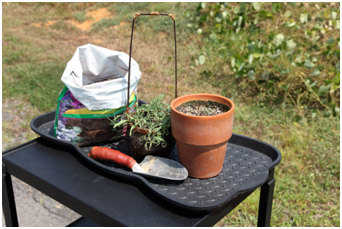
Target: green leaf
237	9
291	44
285	87
285	71
276	55
323	90
256	55
265	14
307	83
240	21
308	64
315	73
212	36
276	7
290	23
278	39
326	114
256	5
232	62
241	67
330	23
288	14
337	25
265	74
330	41
251	46
335	87
120	123
251	75
201	59
250	58
314	84
303	18
317	26
337	110
298	59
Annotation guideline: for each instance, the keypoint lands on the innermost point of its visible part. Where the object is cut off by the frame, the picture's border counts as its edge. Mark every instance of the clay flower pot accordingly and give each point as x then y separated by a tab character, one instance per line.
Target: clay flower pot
202	140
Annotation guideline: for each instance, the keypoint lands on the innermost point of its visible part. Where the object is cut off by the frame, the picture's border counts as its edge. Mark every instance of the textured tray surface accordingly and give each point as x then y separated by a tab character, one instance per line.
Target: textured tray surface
244	169
241	168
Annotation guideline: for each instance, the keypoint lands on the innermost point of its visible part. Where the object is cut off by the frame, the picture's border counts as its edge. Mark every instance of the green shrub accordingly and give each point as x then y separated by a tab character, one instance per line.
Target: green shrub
153	118
279	52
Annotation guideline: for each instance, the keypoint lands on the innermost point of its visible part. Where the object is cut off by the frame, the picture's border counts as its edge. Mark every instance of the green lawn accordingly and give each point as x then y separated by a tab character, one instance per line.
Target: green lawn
37	45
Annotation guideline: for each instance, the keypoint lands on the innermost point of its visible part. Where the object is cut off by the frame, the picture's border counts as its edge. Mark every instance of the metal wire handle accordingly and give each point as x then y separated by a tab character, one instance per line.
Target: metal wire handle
131	45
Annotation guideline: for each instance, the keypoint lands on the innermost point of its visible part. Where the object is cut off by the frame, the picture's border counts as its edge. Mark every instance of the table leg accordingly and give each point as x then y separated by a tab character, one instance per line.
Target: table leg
266	199
8	202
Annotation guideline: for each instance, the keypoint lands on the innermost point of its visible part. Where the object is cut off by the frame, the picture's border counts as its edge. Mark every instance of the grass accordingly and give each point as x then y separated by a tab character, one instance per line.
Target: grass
104	24
307	179
80	16
34	57
28	80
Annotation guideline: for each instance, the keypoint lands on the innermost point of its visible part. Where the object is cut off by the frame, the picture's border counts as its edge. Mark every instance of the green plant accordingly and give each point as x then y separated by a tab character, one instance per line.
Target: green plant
80	16
104	23
152	119
277	51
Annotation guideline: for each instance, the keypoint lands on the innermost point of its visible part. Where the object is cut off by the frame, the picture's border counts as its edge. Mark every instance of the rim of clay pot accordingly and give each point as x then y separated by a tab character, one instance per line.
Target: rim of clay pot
231	105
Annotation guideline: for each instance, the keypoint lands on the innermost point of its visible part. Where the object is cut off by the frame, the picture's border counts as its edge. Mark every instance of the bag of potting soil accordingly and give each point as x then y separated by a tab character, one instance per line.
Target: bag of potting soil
96	82
77	124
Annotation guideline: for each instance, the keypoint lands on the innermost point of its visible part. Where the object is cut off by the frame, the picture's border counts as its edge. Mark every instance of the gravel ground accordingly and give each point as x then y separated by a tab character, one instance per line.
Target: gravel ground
34	209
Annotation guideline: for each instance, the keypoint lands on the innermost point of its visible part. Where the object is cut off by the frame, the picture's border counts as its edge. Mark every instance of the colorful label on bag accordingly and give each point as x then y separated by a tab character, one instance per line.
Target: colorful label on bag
77	124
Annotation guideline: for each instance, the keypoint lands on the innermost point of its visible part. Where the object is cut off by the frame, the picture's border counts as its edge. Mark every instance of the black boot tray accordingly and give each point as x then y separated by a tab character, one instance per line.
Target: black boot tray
245	168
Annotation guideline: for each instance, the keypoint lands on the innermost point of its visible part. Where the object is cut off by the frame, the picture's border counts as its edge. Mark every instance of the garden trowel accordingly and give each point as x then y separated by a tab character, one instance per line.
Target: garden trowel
151	166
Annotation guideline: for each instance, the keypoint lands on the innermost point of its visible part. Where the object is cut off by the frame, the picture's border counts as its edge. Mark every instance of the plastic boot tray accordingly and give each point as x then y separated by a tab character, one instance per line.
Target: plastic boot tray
245	168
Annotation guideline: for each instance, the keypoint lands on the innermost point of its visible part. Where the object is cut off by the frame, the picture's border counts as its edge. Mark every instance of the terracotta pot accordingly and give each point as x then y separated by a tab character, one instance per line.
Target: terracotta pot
202	140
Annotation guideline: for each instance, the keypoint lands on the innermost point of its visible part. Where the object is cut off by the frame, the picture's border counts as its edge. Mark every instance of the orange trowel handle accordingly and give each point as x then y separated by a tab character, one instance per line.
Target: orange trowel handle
105	153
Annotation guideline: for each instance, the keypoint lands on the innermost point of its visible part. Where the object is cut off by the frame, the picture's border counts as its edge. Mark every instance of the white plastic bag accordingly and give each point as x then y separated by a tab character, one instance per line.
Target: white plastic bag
98	77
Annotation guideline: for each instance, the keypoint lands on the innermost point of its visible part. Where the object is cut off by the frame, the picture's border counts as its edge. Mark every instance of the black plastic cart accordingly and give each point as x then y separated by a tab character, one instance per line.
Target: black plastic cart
117	197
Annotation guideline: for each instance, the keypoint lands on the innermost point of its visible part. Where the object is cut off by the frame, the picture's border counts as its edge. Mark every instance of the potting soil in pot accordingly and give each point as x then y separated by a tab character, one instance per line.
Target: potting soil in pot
202	108
137	150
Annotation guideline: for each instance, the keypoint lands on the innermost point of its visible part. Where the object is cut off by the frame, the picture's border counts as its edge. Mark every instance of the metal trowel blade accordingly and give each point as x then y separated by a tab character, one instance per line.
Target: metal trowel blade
160	167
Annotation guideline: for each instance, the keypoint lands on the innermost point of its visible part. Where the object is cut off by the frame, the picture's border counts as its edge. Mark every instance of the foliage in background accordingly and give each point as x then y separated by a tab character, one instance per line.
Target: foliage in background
277	52
152	119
